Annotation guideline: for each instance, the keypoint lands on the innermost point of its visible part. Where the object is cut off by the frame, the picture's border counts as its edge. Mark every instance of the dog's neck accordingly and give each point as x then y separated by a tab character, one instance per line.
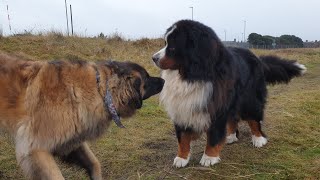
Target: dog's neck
108	103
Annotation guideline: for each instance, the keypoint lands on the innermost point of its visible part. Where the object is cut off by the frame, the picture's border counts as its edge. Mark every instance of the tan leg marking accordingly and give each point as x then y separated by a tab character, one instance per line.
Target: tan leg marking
255	128
258	140
232	127
183	156
213	151
211	154
184	145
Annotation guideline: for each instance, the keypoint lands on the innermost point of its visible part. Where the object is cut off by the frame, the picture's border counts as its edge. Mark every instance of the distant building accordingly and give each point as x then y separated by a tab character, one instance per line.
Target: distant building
234	43
306	44
311	44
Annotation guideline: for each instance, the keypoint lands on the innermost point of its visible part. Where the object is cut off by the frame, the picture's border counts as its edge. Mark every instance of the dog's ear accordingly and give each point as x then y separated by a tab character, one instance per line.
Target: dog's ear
133	91
201	58
125	91
137	97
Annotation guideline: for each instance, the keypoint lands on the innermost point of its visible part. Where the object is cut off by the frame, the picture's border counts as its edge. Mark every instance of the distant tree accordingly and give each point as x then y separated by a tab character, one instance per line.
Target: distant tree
268	40
255	39
290	40
101	35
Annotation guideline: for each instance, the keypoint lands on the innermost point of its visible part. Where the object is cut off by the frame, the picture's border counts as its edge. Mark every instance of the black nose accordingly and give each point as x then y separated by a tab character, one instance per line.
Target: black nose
155	58
162	82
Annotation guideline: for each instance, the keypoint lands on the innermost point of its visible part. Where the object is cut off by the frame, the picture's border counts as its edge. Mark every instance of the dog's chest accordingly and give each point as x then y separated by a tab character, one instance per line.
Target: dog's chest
186	103
86	132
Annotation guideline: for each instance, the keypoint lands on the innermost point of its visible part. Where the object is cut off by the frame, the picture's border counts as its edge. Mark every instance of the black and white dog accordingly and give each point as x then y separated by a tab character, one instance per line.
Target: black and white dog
209	88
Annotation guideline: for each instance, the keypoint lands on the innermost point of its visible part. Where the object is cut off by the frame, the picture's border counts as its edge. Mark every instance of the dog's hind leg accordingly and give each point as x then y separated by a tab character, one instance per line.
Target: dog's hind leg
84	157
39	164
258	137
232	130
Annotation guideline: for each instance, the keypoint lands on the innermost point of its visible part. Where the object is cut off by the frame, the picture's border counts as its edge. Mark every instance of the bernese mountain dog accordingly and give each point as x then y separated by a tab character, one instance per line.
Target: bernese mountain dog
209	88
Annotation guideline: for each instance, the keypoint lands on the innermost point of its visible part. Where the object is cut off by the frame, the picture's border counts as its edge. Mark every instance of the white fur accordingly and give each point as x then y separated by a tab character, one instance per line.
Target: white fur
209	161
22	141
179	162
186	103
160	54
231	138
302	67
259	141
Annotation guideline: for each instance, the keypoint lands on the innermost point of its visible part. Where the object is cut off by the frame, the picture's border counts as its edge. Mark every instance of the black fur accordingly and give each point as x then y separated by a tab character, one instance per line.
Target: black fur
238	76
277	70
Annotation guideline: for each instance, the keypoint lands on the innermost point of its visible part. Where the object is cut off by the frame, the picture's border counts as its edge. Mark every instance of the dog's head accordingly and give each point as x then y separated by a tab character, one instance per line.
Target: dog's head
130	84
190	47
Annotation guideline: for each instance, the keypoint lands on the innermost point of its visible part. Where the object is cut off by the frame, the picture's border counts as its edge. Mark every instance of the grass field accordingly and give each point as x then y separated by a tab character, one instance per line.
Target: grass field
146	148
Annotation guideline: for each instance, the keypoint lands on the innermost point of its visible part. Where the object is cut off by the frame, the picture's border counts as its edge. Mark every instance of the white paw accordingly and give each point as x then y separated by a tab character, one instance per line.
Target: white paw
259	141
179	162
209	161
232	138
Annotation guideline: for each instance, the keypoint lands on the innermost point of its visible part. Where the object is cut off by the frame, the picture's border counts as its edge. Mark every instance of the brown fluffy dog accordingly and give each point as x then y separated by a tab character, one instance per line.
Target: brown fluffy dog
53	108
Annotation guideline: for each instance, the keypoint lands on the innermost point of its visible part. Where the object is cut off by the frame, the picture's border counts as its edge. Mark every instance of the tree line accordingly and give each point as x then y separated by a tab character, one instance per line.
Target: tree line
266	40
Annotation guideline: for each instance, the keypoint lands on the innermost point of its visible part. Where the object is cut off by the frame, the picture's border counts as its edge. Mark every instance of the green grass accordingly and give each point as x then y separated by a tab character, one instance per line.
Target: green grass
146	148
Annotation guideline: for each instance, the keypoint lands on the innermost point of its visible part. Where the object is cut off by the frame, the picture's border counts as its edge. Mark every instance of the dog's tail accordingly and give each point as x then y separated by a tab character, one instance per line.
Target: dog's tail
278	70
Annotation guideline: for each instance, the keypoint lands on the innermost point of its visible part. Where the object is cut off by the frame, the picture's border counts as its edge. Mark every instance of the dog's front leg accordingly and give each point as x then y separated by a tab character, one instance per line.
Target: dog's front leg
216	135
184	136
39	164
84	157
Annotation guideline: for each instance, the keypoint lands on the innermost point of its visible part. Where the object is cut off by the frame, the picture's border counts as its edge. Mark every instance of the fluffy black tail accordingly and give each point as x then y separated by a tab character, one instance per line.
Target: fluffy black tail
277	70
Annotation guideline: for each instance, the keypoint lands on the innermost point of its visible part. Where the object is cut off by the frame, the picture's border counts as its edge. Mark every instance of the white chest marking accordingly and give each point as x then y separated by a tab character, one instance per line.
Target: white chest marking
186	103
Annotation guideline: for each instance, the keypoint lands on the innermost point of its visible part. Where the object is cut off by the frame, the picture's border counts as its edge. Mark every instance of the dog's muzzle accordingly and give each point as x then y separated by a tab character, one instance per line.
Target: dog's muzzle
156	58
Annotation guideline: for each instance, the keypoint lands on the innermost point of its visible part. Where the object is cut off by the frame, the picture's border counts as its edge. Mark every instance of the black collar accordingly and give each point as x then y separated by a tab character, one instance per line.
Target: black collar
108	103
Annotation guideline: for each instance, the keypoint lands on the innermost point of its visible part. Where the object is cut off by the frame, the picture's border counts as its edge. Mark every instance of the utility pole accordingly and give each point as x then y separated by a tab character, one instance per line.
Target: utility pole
71	20
9	18
191	12
225	35
1	31
244	30
65	2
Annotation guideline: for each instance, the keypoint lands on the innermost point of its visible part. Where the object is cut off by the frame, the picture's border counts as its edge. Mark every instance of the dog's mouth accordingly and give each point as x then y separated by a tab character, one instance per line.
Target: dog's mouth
136	104
164	62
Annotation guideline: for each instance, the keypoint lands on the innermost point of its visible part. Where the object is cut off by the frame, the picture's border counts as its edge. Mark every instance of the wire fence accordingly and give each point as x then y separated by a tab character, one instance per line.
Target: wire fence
273	47
250	46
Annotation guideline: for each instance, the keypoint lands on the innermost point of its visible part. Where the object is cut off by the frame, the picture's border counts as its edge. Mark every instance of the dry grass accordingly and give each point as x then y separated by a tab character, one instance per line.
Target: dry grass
146	148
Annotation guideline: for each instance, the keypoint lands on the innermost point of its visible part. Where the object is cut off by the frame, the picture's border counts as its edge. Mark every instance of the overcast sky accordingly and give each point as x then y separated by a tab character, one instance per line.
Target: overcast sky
150	18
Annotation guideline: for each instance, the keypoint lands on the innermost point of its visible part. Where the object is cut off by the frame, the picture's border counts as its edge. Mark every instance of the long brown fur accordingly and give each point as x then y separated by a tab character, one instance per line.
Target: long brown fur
55	107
